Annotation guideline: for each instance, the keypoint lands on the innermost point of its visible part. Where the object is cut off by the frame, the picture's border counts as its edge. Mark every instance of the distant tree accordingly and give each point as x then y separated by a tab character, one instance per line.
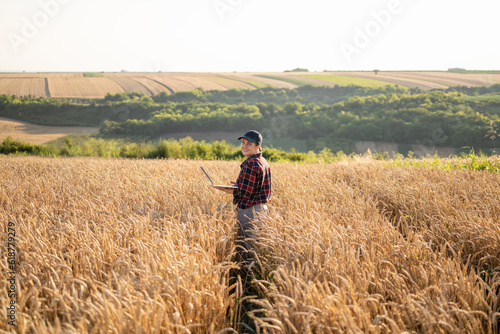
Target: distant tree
147	99
162	97
375	71
292	108
492	133
298	70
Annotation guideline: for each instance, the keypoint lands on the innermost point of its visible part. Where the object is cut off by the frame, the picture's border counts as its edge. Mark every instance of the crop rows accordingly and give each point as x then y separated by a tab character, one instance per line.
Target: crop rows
427	80
75	85
82	87
129	84
22	86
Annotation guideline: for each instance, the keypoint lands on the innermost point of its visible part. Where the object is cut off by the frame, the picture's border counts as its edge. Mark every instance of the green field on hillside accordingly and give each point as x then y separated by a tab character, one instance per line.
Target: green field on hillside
294	81
343	80
475	72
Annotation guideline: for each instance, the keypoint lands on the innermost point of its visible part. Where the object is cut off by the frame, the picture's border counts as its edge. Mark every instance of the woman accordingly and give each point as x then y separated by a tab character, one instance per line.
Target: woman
252	192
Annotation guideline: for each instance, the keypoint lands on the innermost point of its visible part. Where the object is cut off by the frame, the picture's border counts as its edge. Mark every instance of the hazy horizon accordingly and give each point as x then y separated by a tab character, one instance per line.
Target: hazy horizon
179	72
247	36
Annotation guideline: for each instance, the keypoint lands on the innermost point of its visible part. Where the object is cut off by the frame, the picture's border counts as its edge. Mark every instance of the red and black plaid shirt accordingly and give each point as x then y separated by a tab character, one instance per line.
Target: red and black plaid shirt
254	182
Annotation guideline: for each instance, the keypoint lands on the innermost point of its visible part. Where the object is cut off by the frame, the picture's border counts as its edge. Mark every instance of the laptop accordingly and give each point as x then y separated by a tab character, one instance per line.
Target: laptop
216	185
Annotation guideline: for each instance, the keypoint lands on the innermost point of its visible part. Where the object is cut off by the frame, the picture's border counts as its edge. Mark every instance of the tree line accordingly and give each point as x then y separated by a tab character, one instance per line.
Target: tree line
186	148
391	114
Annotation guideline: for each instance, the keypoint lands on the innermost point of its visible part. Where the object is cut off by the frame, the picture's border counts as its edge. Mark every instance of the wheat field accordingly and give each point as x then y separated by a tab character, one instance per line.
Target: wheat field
145	246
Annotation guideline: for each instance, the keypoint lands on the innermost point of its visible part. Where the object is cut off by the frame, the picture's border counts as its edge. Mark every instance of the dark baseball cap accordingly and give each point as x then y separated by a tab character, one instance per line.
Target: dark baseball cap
252	136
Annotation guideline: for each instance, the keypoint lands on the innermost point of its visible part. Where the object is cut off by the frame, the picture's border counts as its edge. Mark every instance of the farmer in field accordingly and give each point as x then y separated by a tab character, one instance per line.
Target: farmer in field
251	195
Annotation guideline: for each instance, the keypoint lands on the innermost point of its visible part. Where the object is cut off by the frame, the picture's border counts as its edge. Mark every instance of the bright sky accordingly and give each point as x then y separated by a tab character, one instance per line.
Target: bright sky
248	35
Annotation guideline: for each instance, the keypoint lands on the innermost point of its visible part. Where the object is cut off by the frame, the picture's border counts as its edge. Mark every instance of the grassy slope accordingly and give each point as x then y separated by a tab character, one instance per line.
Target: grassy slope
423	79
288	79
348	80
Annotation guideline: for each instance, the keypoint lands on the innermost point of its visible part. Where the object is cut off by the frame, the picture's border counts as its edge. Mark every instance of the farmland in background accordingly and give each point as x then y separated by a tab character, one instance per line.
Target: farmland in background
81	87
428	80
391	118
39	134
97	85
23	86
121	245
345	80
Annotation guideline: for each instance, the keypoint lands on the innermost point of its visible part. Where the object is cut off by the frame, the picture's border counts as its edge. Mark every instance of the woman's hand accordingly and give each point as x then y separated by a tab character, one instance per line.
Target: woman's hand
226	190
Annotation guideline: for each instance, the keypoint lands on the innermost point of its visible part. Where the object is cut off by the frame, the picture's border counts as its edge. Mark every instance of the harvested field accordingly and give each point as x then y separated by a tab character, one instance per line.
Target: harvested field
129	246
186	81
39	134
63	75
175	83
22	86
252	78
152	86
82	87
129	84
454	79
429	80
202	81
228	82
43	75
75	85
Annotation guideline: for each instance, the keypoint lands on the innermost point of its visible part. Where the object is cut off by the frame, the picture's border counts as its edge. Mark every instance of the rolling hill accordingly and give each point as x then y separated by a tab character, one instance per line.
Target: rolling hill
97	85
